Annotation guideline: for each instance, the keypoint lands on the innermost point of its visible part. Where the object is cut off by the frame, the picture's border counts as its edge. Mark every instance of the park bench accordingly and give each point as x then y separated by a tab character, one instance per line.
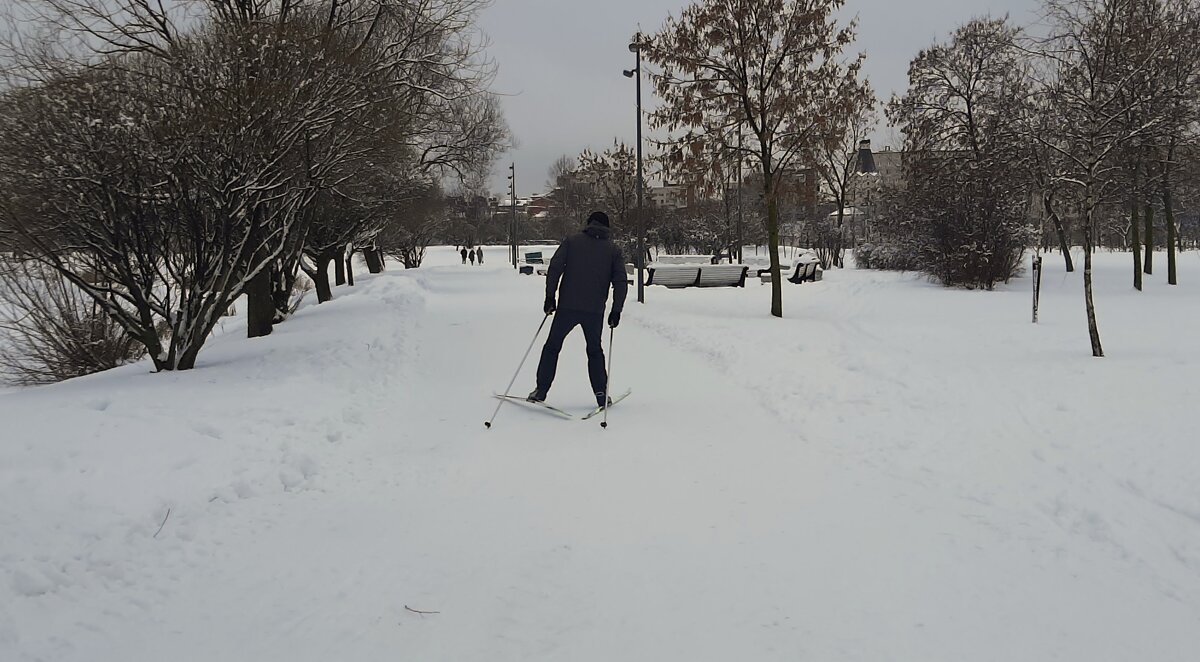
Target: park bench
701	275
800	272
630	271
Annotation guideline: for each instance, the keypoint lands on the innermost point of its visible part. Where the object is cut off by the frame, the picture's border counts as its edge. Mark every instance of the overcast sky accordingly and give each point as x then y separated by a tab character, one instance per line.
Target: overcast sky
560	65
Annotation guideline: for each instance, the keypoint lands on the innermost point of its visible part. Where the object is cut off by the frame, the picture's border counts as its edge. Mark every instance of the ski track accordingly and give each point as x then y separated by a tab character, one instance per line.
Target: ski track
848	494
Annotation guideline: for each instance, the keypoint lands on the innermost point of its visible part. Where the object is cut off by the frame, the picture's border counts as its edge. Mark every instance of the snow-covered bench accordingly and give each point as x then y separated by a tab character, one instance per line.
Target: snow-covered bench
701	275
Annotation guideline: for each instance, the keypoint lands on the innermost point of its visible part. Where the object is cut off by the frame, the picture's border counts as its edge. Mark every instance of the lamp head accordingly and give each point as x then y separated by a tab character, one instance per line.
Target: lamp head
629	73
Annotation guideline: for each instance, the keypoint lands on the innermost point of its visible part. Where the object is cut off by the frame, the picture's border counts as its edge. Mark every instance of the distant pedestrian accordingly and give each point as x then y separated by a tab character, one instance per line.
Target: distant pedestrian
479	254
471	254
463	253
588	264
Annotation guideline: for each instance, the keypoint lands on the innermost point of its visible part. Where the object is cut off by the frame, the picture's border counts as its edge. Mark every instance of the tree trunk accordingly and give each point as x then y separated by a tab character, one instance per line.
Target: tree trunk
1149	215
187	358
1169	215
350	267
1093	328
321	278
374	260
1135	241
837	247
339	267
1063	244
283	281
773	238
260	305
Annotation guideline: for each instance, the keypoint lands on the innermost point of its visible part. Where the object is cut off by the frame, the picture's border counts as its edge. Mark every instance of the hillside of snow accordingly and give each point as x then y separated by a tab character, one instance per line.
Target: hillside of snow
896	471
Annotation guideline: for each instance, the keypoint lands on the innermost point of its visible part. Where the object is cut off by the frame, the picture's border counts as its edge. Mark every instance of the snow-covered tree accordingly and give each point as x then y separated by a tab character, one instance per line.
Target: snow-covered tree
182	151
1098	57
965	165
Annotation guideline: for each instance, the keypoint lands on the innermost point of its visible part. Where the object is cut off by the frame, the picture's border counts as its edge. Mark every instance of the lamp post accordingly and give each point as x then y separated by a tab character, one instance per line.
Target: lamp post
740	241
512	204
636	72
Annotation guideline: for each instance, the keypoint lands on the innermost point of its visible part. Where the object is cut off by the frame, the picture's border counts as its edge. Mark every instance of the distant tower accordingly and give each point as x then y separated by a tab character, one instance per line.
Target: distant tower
866	160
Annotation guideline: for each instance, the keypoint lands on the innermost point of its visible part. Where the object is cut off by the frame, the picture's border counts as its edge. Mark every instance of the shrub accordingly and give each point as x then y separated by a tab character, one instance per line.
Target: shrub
51	331
890	256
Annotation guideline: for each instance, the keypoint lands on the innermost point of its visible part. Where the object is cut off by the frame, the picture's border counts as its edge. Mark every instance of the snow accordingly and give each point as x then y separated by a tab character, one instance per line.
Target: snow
894	471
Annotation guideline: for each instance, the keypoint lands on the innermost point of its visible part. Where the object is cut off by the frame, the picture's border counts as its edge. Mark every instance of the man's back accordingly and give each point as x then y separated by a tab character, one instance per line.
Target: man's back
587	264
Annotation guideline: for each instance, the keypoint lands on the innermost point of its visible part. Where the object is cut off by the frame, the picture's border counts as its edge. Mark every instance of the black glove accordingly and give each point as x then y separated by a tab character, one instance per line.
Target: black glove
614	318
549	306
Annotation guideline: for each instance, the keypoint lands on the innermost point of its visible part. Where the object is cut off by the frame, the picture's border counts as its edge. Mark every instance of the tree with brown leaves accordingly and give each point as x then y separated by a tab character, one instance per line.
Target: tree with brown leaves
776	67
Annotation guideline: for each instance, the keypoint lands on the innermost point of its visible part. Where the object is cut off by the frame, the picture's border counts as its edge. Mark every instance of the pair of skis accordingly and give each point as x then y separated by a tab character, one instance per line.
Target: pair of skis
555	411
506	397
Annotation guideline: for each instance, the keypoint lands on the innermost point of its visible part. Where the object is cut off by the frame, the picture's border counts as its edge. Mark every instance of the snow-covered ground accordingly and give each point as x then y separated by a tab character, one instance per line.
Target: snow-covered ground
894	472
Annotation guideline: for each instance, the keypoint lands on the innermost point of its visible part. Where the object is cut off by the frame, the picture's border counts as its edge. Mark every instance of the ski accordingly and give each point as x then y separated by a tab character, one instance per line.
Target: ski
615	400
549	409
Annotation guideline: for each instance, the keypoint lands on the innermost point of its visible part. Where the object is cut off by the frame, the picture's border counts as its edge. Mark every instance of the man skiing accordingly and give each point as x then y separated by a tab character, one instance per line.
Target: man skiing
463	253
587	264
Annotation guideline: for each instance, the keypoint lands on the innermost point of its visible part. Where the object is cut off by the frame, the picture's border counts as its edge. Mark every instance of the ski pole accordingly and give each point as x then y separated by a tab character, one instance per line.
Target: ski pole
488	423
608	378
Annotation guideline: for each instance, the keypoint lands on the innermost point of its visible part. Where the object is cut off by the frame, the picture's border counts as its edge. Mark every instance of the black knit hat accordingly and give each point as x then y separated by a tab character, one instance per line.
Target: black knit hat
599	218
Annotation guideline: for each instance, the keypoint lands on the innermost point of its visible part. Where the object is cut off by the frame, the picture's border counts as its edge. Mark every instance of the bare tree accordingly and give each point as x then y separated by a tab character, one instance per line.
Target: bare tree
614	174
572	196
51	331
178	150
413	220
965	164
1093	81
837	159
1179	71
1039	119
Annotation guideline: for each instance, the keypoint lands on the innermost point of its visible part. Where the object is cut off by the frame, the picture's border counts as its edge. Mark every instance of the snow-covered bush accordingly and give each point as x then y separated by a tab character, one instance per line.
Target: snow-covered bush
50	330
964	205
886	255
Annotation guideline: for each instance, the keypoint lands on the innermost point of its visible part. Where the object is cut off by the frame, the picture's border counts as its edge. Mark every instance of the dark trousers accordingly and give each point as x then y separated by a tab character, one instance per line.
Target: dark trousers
564	322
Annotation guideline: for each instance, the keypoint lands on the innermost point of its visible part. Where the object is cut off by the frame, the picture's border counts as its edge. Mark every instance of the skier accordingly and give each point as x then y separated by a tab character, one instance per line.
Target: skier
463	253
479	254
587	263
471	254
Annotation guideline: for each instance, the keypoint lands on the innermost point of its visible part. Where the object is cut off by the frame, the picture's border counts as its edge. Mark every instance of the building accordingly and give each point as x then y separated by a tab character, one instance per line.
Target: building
671	196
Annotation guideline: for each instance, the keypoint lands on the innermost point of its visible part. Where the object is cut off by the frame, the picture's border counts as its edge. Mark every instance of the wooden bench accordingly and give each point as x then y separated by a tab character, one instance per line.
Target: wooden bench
707	275
630	272
801	272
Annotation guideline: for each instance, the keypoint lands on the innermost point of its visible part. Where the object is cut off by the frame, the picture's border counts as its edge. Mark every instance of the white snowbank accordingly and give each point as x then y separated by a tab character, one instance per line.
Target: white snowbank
895	471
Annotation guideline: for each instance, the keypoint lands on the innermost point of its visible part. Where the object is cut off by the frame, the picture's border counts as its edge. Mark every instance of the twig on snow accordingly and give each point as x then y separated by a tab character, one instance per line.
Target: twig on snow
164	523
418	611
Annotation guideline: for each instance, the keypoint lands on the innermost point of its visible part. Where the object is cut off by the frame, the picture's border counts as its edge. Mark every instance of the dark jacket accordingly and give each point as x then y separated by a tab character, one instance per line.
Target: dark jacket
587	263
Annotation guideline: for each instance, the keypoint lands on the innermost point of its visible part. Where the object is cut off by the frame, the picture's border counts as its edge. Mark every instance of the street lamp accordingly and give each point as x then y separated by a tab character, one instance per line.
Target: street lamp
639	261
512	203
740	241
